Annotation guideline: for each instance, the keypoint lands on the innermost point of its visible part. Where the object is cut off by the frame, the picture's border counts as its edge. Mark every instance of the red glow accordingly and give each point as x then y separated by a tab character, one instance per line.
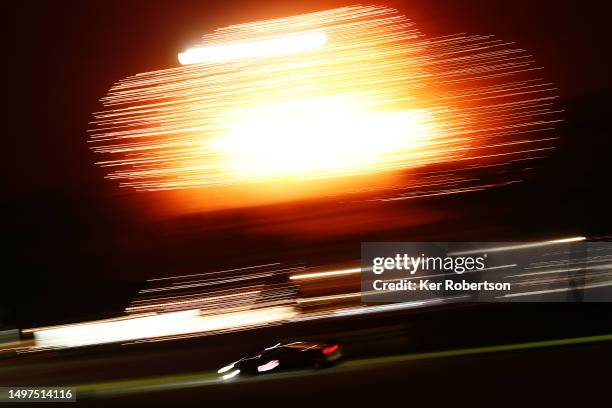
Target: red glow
331	349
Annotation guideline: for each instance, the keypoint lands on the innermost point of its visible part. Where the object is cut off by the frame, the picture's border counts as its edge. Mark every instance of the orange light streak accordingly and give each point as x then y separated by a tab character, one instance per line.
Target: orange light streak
343	93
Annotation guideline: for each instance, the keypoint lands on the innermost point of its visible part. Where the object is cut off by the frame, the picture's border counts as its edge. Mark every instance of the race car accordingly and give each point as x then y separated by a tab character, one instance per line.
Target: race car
288	356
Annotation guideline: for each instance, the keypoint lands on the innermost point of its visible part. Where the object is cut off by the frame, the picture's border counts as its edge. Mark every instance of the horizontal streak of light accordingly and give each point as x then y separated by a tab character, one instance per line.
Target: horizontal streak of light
278	271
364	310
582	279
521	246
264	48
159	325
113	319
316	275
329	298
209	283
372	95
216	272
548	291
186	302
585	268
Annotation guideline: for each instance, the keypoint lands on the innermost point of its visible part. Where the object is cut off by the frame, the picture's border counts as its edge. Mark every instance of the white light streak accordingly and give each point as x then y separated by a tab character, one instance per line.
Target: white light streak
165	324
520	246
226	368
231	375
270	365
272	47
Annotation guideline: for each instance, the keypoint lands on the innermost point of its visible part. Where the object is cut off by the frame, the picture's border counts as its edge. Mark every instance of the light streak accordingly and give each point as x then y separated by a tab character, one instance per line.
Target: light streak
265	48
191	302
330	298
566	270
193	275
270	365
517	247
231	374
316	275
154	326
223	291
558	290
348	92
226	368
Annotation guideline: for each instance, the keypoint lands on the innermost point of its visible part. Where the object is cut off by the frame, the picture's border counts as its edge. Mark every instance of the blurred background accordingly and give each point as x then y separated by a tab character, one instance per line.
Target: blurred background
80	248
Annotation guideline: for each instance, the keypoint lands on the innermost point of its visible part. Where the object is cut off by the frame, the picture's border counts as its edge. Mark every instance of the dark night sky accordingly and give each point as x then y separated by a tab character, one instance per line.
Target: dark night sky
79	247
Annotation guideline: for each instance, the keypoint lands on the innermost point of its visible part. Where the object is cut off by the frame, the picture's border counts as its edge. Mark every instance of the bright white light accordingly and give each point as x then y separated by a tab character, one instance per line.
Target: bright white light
285	45
231	375
270	365
515	247
572	239
226	368
273	347
165	324
319	137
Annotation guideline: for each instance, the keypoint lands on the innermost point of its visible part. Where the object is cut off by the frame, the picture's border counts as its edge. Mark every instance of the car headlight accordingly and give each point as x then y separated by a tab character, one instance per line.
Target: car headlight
231	374
226	368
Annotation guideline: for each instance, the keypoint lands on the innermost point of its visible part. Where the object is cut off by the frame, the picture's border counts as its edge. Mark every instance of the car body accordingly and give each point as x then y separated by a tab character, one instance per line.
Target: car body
285	356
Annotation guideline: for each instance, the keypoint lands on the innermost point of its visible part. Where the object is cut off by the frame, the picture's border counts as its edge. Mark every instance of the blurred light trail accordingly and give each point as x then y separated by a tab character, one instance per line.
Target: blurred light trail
338	96
553	271
264	48
522	246
190	302
159	325
229	290
316	275
373	309
558	290
565	269
330	298
204	274
561	273
231	375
